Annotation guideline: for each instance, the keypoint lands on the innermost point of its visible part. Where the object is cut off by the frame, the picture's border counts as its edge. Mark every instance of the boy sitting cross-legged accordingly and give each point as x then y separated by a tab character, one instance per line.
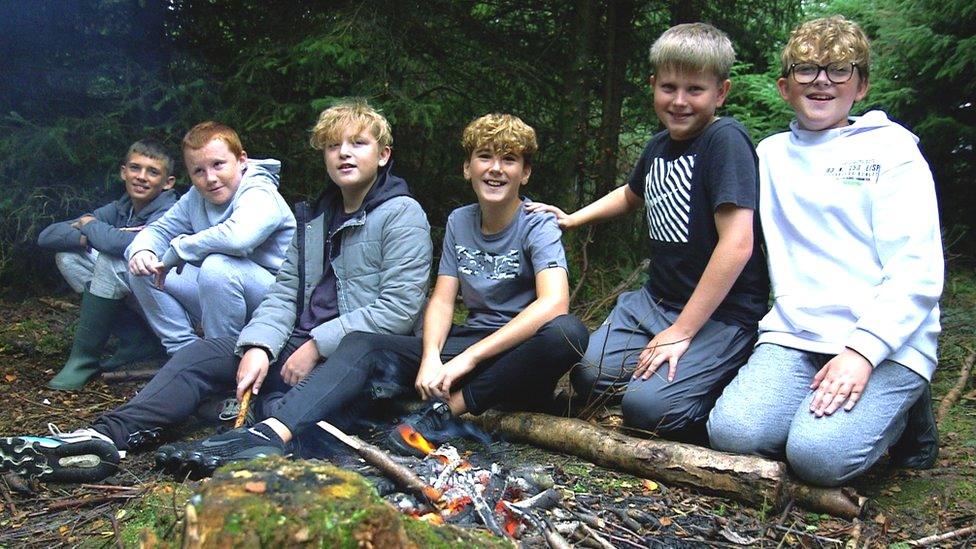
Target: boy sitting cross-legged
359	262
226	238
671	346
518	341
90	257
842	369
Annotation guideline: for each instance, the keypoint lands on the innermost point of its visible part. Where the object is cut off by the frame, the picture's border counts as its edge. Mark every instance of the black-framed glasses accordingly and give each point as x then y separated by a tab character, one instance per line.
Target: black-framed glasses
838	73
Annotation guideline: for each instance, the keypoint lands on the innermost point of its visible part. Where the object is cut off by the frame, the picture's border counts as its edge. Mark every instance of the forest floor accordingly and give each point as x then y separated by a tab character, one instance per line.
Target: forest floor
903	505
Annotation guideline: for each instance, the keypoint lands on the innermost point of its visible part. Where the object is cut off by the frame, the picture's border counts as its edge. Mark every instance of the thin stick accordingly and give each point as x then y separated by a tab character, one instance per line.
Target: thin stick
942	537
378	458
119	376
953	395
242	413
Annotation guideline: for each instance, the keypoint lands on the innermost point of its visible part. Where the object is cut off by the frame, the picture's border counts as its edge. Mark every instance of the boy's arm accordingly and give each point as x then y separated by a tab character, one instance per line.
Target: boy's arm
438	319
61	237
731	253
102	235
157	235
403	281
257	214
616	203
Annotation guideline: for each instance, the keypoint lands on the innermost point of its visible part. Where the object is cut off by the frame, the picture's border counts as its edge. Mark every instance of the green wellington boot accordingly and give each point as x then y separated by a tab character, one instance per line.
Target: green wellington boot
98	314
137	342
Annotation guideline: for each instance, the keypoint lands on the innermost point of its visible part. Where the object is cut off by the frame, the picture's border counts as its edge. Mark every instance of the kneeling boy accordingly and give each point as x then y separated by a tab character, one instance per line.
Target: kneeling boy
852	233
90	257
518	341
360	262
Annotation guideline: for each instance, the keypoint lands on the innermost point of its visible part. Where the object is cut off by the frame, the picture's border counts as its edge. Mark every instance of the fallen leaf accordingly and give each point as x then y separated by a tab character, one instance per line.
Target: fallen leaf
120	514
665	521
242	474
650	485
880	518
895	488
10	378
256	487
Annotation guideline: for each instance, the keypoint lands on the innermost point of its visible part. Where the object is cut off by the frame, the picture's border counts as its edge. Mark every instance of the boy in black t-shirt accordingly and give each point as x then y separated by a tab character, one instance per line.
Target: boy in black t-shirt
707	284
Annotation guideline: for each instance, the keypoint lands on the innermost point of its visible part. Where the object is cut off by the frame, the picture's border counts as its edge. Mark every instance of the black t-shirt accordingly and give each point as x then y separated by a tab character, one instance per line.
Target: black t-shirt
323	306
683	183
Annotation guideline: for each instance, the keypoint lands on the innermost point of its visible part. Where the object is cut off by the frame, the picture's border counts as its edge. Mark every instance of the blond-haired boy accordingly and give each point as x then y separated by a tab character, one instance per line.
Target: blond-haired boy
852	233
695	319
360	261
226	238
518	341
89	255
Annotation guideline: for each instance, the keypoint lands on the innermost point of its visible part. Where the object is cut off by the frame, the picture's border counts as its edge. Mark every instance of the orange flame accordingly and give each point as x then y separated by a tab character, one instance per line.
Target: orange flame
511	521
415	439
455	505
431	518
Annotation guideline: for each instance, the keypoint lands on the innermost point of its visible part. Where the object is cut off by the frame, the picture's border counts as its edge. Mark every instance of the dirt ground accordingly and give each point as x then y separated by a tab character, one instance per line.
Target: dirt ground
904	505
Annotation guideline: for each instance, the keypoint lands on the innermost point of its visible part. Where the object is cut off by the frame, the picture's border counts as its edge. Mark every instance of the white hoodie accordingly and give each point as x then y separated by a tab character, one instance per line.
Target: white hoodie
852	236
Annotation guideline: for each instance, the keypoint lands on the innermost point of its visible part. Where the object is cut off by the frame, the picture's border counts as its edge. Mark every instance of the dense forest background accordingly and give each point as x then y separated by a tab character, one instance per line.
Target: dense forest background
81	80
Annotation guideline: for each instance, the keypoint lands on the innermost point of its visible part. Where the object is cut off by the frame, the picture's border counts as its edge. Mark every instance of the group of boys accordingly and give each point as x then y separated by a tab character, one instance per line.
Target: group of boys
850	233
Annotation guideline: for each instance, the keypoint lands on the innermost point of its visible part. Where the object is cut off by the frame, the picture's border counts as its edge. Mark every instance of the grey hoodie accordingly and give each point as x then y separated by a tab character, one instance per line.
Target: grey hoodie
256	223
103	233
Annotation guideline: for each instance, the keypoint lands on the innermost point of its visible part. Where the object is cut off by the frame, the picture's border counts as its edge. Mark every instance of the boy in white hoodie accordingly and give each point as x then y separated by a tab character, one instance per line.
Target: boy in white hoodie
842	368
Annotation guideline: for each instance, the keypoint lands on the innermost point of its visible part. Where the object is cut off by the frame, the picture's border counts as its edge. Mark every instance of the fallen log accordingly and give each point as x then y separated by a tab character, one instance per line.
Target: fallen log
750	479
119	376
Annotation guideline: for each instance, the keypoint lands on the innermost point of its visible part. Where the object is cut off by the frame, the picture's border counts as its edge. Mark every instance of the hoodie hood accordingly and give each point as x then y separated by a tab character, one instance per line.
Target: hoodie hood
869	121
387	186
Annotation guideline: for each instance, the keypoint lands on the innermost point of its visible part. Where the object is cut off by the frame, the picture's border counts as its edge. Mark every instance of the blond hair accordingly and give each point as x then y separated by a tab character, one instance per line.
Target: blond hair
693	47
500	133
203	133
827	40
350	113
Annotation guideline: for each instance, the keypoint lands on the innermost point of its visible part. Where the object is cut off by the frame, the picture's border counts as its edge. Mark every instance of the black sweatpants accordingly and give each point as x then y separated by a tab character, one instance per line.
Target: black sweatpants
524	376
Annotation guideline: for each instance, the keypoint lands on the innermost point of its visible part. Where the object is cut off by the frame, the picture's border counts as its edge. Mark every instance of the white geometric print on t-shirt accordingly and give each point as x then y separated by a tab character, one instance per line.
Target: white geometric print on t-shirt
667	197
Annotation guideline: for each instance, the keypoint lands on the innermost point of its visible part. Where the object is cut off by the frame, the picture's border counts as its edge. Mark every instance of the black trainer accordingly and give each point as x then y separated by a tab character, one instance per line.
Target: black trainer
437	424
235	445
84	455
172	457
918	446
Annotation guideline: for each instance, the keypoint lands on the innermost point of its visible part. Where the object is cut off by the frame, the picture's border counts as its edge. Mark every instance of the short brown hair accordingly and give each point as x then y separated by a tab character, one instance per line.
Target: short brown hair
151	148
203	133
350	113
827	40
693	47
502	133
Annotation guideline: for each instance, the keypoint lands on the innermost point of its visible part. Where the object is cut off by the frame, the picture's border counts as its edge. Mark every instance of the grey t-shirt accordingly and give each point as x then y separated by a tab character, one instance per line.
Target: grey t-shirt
497	272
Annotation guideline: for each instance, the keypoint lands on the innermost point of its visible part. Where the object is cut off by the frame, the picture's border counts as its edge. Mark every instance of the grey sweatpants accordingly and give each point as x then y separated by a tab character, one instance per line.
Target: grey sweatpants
766	411
221	294
101	274
677	409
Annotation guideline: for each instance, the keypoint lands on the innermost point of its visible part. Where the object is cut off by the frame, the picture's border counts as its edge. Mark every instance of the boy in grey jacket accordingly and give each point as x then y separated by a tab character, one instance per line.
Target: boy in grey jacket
226	237
360	262
90	257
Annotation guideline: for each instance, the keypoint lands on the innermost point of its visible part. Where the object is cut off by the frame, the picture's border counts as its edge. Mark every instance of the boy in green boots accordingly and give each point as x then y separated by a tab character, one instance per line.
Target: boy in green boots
90	257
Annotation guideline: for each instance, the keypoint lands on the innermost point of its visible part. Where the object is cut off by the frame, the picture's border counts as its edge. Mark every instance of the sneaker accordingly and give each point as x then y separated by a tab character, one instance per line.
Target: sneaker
235	445
437	424
172	457
84	455
231	407
918	446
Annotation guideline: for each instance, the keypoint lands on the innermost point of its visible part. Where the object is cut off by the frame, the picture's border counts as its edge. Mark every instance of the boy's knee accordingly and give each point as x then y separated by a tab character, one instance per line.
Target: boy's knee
218	274
565	331
820	462
733	429
657	412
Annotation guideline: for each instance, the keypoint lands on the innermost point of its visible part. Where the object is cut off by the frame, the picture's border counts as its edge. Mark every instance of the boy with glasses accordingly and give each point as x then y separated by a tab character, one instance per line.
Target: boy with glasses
841	372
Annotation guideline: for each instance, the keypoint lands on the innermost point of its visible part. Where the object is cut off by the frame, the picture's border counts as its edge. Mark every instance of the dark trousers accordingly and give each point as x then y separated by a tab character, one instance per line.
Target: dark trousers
202	369
524	376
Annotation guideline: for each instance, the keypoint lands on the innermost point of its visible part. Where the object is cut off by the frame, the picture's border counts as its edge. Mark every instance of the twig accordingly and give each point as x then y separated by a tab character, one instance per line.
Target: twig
808	534
7	498
585	263
120	376
242	412
929	540
953	395
115	529
81	502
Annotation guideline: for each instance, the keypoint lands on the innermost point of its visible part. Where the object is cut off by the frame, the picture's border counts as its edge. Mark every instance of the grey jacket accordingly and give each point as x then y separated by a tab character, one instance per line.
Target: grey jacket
382	276
256	224
103	233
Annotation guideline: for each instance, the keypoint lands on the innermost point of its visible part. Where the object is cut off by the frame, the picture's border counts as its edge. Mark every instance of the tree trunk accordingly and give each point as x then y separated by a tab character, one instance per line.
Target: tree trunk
753	480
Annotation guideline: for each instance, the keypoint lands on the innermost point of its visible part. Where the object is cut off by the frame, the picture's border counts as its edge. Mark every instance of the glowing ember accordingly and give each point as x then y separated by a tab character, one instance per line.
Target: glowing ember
431	518
455	506
415	439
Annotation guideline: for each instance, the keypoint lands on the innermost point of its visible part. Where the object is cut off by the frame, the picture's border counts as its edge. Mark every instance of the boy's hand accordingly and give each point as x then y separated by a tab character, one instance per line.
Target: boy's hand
144	263
82	221
430	367
439	384
840	382
562	218
251	371
300	363
667	346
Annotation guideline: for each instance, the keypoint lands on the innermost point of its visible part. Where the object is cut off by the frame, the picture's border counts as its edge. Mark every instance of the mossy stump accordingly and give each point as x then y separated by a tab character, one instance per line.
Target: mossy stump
275	502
